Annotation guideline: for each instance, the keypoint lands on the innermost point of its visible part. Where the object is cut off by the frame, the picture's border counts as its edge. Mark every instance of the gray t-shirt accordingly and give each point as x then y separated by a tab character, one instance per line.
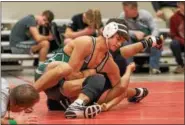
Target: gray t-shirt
144	22
20	31
4	96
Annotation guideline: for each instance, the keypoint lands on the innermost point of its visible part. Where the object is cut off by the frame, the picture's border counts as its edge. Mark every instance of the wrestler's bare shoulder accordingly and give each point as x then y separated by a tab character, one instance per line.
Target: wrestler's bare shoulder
87	40
83	43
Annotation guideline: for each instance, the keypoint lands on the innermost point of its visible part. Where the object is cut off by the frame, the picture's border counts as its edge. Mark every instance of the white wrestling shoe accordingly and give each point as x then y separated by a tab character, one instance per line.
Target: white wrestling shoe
79	111
136	99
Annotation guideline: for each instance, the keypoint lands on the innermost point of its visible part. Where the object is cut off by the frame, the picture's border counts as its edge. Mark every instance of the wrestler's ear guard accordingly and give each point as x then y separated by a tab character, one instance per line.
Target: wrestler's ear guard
112	28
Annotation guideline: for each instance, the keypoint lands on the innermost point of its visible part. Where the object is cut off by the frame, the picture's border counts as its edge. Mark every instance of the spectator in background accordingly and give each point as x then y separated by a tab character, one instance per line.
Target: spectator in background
164	9
177	35
86	23
141	25
26	39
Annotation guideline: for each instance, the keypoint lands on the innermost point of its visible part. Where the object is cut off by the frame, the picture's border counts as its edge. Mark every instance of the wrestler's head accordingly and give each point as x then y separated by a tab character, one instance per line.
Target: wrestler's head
22	97
115	32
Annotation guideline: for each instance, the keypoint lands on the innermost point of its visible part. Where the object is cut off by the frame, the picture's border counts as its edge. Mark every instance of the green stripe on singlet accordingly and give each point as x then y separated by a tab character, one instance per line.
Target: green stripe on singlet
59	56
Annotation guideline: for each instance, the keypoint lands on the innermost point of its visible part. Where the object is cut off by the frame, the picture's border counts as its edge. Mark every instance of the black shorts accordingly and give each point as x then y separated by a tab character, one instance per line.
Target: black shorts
55	97
107	86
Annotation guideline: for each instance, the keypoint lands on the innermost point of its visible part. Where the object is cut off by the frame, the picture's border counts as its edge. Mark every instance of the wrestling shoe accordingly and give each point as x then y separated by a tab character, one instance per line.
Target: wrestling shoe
143	92
153	41
79	111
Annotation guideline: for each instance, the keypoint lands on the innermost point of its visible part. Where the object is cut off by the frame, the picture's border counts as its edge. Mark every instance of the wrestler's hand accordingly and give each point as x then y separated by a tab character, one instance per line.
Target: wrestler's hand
132	66
20	119
82	74
74	75
104	107
23	119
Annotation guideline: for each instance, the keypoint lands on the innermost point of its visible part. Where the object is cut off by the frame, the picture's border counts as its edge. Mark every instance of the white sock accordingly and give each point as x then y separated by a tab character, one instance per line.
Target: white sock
78	102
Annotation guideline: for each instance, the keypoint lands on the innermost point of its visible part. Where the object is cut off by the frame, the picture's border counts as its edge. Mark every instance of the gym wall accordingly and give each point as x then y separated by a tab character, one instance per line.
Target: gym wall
64	10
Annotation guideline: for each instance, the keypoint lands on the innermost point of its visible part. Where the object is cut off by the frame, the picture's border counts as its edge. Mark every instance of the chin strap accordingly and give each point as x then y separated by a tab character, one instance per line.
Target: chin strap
107	43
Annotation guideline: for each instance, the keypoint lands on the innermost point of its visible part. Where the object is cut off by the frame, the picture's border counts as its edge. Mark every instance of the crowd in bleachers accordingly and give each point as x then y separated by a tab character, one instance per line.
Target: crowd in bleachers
26	38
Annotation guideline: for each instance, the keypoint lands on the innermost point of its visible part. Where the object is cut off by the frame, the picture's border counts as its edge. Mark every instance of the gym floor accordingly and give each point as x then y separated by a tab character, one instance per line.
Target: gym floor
163	105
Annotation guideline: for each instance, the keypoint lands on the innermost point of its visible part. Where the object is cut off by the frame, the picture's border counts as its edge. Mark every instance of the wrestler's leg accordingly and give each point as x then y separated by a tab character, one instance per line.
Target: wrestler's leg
133	49
51	77
92	88
133	94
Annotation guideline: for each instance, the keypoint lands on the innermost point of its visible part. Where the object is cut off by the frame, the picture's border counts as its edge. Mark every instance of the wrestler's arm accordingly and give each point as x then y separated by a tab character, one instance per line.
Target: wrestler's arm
77	75
108	105
112	71
82	74
80	51
115	95
125	80
114	77
88	72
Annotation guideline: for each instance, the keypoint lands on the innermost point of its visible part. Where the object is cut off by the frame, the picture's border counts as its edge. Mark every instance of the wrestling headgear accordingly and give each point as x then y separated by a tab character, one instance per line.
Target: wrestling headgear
112	28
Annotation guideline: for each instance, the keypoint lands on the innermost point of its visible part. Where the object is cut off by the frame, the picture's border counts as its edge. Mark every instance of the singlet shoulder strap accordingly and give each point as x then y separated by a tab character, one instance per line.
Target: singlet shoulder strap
88	58
103	62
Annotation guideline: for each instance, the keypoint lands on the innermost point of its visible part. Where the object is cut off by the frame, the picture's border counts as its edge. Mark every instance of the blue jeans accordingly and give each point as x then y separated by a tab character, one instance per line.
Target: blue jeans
177	49
155	55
